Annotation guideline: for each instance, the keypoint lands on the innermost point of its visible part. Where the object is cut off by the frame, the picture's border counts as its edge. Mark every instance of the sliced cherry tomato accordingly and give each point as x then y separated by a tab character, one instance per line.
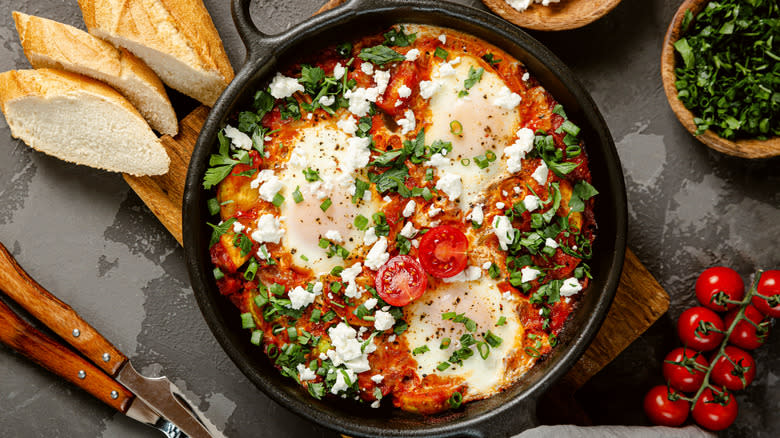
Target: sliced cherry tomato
715	411
769	285
663	408
737	377
686	376
401	280
718	283
745	334
443	251
698	328
405	76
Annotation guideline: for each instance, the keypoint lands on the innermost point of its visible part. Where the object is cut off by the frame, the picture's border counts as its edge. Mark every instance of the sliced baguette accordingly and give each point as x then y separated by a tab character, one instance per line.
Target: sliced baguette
80	120
176	38
49	44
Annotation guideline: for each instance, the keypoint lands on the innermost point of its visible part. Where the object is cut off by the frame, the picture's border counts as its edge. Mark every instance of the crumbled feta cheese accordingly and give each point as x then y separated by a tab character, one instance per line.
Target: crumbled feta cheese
487	265
323	356
450	184
377	378
367	68
526	76
502	228
283	87
375	404
540	174
348	125
338	71
416	243
433	211
317	288
500	205
476	215
438	160
269	184
529	274
522	5
268	229
429	88
378	255
238	227
327	100
262	252
570	287
334	236
443	38
391	338
408	230
356	156
409	208
506	99
370	236
383	320
347	349
300	298
360	98
341	382
369	304
412	55
471	273
517	189
408	123
404	91
348	276
531	203
517	151
551	243
237	138
446	70
381	79
304	373
298	158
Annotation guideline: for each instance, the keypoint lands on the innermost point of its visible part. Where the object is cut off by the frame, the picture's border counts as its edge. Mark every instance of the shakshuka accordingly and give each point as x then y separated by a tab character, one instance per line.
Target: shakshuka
403	219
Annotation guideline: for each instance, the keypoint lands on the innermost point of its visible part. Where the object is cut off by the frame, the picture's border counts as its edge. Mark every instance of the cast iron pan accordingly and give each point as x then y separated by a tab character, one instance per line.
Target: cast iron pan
506	413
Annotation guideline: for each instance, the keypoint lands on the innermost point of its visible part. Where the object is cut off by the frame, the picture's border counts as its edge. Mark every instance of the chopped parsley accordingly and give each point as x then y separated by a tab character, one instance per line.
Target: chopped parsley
380	55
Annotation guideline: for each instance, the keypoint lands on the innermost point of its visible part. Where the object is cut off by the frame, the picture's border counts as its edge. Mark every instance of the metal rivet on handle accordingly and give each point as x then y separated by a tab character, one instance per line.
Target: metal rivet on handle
82	374
114	395
76	333
106	357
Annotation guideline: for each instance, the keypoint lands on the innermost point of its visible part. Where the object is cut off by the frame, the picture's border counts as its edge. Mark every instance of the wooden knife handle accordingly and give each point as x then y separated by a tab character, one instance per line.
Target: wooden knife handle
62	361
58	316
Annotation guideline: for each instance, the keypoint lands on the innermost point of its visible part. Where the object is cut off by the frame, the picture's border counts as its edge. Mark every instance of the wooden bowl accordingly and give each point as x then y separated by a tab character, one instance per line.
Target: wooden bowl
739	148
568	14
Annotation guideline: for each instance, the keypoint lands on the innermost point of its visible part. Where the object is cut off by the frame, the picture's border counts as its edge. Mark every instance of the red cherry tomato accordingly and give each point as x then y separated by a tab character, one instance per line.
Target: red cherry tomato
663	411
724	373
719	282
401	280
715	411
769	285
685	377
443	251
745	334
696	328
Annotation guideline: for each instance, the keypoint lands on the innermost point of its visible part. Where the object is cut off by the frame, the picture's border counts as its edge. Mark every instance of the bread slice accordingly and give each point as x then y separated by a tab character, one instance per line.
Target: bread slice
81	120
176	38
49	44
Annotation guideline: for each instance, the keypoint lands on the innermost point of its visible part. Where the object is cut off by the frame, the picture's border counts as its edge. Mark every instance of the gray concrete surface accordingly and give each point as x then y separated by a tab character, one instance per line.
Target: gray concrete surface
83	234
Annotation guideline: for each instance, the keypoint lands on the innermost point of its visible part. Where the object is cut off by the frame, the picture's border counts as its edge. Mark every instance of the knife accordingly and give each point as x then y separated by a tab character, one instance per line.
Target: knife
103	371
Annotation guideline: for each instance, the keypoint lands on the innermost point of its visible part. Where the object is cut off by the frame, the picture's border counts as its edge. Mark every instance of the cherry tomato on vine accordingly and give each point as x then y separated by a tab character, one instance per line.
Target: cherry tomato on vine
768	285
724	373
401	280
684	377
715	411
700	328
443	251
663	411
716	283
745	334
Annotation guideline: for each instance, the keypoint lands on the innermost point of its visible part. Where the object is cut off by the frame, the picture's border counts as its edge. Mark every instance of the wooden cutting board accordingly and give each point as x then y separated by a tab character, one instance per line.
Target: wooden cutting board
639	301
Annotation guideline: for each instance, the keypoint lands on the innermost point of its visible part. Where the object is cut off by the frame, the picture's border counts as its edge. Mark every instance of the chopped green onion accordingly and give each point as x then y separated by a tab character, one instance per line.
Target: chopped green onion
326	204
315	315
213	206
445	343
501	321
455	400
492	339
443	366
465	161
456	127
218	274
247	321
483	349
420	350
257	337
311	175
278	200
570	128
490	155
251	269
361	222
441	53
297	196
292	333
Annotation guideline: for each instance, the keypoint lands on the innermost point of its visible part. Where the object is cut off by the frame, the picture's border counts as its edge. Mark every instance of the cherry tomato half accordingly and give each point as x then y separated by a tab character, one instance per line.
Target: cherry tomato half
443	251
663	411
768	285
719	279
724	372
401	280
715	411
684	377
745	334
696	328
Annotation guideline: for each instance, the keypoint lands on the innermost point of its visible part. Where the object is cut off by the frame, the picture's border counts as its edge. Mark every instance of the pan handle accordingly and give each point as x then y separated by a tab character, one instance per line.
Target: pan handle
258	43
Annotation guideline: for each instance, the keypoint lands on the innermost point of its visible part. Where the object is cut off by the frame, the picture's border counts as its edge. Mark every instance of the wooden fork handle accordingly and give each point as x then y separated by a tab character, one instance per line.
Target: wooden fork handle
58	316
62	361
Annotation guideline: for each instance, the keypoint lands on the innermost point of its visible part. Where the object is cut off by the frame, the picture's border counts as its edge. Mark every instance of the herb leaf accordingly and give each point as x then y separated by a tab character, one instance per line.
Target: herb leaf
380	55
